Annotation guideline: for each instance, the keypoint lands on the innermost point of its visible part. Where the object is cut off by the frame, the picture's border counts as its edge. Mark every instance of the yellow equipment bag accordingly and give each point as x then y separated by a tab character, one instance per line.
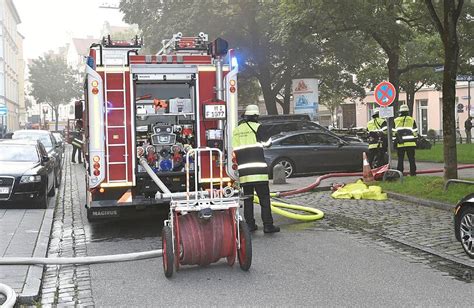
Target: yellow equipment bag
359	190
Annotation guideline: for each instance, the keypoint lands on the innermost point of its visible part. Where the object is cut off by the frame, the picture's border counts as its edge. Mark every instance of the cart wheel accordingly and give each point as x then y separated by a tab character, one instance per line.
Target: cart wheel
245	250
167	245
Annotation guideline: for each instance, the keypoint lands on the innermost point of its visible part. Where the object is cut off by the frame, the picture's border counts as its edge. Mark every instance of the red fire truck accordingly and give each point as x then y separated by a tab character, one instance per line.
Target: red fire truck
143	113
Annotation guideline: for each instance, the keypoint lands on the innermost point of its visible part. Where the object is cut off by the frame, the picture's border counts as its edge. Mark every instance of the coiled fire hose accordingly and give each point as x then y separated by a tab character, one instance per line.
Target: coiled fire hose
9	294
318	214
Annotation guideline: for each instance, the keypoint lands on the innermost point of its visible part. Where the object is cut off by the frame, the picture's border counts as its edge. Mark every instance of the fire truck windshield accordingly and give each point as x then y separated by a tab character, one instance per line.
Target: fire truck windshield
163	91
162	99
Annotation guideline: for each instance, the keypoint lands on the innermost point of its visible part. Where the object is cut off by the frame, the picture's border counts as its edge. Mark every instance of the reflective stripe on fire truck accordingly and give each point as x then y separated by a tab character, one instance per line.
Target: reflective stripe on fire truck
96	126
125	184
232	116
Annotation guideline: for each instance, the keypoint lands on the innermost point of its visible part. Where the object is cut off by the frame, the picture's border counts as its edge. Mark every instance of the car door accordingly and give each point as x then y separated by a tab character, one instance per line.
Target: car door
328	152
293	147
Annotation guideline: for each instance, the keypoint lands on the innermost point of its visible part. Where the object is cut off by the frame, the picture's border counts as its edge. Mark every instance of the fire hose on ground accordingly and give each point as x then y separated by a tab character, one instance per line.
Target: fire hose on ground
277	208
9	294
315	213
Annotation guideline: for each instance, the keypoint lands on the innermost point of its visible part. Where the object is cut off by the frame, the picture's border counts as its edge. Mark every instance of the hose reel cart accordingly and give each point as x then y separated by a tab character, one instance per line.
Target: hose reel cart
205	226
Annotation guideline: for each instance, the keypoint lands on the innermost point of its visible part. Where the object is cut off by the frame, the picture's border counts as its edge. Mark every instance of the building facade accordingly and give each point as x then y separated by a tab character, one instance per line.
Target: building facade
11	67
427	110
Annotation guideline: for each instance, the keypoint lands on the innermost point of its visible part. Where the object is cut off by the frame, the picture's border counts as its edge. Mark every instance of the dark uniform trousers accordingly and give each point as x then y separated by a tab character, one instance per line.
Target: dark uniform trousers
263	193
379	153
411	158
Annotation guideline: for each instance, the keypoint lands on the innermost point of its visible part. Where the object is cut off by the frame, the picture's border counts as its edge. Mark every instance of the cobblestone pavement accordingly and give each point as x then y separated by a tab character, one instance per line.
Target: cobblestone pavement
426	233
67	285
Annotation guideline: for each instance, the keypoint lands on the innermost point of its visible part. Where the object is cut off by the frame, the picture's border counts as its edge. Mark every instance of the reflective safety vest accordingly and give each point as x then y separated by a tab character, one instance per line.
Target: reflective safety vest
77	140
249	154
405	131
377	128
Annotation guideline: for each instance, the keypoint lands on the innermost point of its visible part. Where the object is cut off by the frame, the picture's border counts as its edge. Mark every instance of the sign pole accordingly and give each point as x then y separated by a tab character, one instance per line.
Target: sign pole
389	145
469	98
384	96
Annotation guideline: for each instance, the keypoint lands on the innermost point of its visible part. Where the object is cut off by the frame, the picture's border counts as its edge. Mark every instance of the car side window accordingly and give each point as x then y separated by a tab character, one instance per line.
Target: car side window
309	125
294	140
321	139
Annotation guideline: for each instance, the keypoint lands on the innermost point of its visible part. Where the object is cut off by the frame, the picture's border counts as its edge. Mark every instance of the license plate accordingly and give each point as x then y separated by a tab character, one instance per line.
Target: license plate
4	190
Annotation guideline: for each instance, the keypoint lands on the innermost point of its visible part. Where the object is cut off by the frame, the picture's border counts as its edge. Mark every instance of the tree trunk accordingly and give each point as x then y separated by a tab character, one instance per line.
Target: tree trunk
56	116
449	101
410	91
286	98
268	93
394	74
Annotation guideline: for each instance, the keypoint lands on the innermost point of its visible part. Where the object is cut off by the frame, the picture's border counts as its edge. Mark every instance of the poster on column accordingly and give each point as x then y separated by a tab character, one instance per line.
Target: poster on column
306	97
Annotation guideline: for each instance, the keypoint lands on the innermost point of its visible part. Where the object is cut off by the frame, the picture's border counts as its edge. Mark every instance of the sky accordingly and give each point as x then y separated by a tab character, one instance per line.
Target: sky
49	24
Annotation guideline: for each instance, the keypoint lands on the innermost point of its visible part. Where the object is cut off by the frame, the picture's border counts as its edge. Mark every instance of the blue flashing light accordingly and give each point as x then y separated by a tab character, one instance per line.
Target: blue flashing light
90	62
166	165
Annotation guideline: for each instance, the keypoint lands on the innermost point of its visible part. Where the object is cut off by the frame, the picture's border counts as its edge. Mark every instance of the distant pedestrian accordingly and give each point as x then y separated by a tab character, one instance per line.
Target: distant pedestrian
406	134
77	143
468	127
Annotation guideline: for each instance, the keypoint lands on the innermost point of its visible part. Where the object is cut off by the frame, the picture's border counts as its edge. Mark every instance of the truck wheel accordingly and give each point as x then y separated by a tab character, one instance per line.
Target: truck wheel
466	230
167	246
245	250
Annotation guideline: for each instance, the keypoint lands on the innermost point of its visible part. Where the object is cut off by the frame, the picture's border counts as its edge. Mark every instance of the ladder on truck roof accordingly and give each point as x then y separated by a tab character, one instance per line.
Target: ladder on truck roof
116	132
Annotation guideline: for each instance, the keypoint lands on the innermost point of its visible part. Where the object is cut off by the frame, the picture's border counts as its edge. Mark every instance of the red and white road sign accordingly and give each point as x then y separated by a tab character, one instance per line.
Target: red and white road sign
384	93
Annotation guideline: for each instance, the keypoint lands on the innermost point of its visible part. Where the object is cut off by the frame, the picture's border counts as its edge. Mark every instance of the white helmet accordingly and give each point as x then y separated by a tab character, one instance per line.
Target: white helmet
376	111
251	110
404	107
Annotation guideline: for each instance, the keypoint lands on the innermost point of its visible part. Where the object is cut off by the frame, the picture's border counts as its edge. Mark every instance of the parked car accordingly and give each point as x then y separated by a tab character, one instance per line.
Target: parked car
464	224
26	173
274	125
50	144
60	140
314	152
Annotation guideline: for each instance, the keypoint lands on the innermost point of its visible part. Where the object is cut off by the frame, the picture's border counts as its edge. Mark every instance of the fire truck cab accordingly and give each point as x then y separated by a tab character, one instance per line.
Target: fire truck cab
143	113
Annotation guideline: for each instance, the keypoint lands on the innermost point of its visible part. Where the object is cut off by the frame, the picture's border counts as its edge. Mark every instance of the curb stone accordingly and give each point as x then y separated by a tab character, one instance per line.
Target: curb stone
33	282
423	202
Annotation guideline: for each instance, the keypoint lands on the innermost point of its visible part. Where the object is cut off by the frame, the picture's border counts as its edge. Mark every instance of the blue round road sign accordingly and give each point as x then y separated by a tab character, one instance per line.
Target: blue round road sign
384	93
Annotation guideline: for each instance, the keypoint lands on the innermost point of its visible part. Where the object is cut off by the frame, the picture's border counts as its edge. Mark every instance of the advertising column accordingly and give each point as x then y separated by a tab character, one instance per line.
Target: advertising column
306	97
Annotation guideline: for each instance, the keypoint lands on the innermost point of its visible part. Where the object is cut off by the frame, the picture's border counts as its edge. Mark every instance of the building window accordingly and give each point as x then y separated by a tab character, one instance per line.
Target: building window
422	105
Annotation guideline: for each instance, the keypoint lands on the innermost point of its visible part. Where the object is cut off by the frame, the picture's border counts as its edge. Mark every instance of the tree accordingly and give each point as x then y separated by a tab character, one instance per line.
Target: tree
450	13
53	82
388	23
267	50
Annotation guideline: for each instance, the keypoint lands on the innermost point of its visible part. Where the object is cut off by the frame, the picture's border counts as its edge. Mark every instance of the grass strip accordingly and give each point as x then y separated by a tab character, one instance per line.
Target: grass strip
435	154
429	187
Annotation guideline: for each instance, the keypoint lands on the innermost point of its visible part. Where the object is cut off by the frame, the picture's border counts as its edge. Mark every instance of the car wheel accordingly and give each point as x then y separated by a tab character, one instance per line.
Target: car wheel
287	164
43	201
58	179
466	230
52	192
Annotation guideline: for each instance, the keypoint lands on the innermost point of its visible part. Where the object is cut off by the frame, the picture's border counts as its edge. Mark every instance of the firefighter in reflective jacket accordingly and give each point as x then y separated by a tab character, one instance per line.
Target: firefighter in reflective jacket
377	129
77	142
405	133
252	168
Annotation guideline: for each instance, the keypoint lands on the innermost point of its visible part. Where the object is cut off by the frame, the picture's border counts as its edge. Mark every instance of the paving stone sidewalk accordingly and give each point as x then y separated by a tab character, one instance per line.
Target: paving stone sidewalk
427	229
24	233
67	285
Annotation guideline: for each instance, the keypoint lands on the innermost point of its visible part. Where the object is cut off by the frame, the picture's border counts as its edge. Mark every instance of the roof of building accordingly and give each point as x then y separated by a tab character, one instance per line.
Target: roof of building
82	45
14	10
